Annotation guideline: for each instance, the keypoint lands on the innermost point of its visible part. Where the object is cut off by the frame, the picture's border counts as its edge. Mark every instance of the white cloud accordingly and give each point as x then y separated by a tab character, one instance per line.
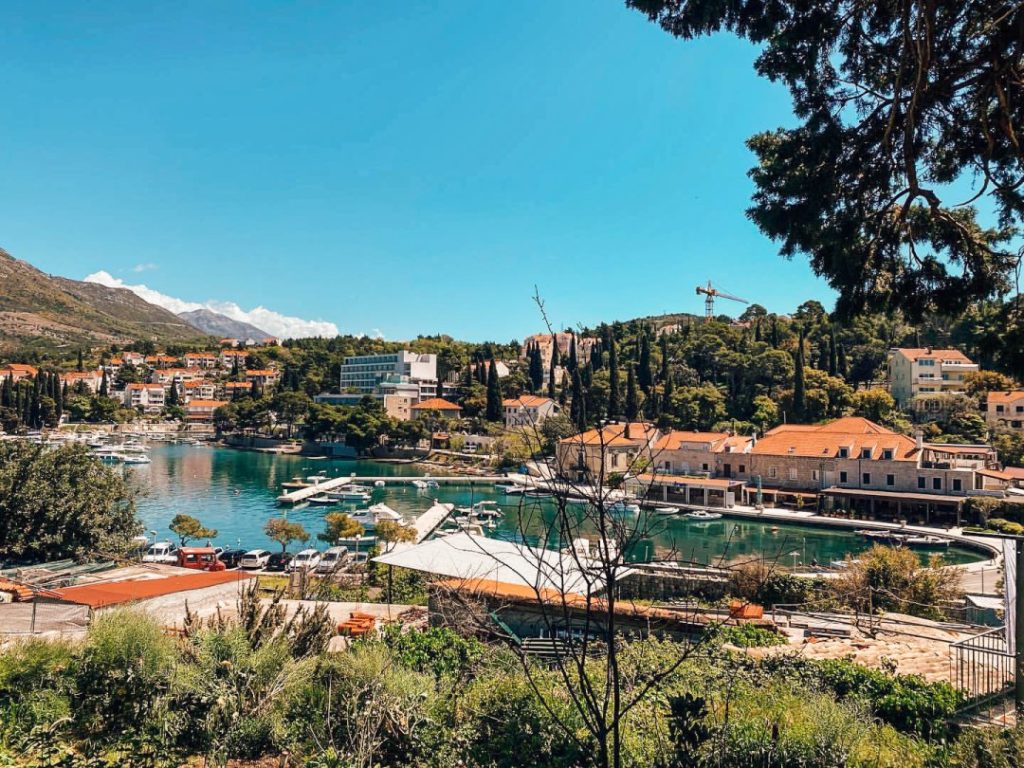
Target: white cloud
274	323
144	267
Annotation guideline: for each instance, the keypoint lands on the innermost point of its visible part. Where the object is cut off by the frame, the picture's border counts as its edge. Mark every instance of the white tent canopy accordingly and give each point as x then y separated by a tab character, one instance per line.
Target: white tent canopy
470	558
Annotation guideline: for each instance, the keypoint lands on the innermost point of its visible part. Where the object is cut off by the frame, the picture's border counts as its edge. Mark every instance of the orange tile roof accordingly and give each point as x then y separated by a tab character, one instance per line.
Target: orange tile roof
526	401
237	385
1017	473
261	372
674	439
144	386
915	353
614	434
1005	397
119	592
31	370
206	404
825	440
436	404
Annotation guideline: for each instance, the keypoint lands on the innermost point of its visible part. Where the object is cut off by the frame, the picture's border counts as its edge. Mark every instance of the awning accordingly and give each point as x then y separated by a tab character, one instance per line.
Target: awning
894	495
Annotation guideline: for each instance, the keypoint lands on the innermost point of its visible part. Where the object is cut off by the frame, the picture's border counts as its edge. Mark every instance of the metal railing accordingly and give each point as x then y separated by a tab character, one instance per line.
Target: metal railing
983	666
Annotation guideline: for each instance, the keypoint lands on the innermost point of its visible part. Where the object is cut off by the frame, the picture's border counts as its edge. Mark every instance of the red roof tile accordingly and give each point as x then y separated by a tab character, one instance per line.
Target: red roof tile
118	592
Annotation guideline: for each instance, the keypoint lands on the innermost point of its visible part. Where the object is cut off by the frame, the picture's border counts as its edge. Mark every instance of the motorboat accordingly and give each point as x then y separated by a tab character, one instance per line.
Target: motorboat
623	507
483	510
420	485
316	479
137	459
295	482
509	489
368	518
703	514
378	484
666	510
322	499
538	493
351	493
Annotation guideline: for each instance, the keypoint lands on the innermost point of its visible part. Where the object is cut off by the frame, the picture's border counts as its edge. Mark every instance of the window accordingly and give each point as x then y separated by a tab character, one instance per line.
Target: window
704	467
921	482
958	484
843	477
743	468
887	454
844	453
999	409
1019	409
865	453
937	483
866	478
792	473
890	479
814	474
771	471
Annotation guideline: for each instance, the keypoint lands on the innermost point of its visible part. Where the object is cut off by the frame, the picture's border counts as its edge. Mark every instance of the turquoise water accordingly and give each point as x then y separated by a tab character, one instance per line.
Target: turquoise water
235	491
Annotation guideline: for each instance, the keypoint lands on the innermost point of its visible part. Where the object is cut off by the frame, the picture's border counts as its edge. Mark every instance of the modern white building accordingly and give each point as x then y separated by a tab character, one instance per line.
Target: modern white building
527	410
371	374
148	397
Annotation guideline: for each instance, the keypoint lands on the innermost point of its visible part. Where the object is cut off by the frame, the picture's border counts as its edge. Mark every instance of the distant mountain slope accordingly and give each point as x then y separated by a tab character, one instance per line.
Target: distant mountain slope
42	310
220	325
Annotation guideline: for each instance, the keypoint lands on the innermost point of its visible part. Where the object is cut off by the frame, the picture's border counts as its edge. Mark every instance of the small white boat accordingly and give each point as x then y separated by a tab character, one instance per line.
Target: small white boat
703	514
621	507
137	459
322	499
509	489
378	484
482	510
926	542
351	493
420	485
666	510
432	484
319	477
295	482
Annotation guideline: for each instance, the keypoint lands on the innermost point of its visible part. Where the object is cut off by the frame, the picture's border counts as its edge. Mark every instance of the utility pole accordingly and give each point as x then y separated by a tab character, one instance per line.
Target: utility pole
1018	630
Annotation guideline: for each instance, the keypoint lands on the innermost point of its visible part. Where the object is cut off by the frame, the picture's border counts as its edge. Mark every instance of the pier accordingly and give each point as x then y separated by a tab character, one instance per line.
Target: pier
301	494
429	521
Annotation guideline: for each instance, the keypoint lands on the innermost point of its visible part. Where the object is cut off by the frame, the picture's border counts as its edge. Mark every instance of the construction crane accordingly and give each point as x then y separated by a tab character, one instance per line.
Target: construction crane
710	292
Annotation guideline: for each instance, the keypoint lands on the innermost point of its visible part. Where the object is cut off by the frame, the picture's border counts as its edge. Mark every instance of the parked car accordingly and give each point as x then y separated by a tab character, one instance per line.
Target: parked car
232	557
306	560
255	558
165	552
199	559
279	561
332	560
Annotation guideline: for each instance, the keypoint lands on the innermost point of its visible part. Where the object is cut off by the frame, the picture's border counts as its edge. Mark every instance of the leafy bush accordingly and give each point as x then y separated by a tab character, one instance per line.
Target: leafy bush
750	635
988	748
438	651
1002	525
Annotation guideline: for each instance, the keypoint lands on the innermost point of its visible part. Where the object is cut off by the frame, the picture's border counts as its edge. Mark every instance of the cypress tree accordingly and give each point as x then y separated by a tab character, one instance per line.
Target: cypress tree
104	387
573	360
757	329
613	377
799	404
632	398
597	354
81	362
842	368
644	376
536	368
663	374
563	392
172	396
578	412
554	366
58	396
833	359
775	331
34	418
823	357
7	393
493	393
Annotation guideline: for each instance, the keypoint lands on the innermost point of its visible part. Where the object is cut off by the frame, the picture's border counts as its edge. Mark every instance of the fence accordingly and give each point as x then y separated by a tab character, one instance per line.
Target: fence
983	666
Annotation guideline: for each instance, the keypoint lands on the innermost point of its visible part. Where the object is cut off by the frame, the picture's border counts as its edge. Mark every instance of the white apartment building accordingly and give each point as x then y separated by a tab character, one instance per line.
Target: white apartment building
1005	410
148	397
371	374
926	371
527	410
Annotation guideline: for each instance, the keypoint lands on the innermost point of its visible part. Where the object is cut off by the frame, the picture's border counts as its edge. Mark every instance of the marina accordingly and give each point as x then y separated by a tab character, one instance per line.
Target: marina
236	492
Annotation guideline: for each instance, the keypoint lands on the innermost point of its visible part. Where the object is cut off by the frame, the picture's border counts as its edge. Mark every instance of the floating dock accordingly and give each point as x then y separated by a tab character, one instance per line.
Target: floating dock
301	494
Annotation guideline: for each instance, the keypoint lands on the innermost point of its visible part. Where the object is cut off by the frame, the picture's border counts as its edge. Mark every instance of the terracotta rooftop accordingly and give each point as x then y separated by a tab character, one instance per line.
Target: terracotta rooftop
119	592
1005	397
206	403
825	440
526	401
436	404
674	439
639	433
916	353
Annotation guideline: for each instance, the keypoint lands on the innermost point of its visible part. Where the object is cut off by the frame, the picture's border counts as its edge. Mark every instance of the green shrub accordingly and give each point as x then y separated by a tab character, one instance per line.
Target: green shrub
1002	525
750	635
988	748
438	651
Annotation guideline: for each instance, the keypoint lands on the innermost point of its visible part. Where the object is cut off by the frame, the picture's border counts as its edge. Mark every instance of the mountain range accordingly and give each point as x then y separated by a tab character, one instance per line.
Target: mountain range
44	311
222	326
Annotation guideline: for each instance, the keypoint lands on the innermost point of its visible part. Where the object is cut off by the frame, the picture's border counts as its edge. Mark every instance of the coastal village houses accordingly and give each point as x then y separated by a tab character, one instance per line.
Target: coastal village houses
18	371
150	398
201	411
914	372
1005	410
849	464
527	410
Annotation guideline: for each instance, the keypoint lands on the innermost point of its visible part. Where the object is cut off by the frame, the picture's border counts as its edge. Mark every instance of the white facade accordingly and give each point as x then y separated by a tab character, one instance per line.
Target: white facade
383	374
927	371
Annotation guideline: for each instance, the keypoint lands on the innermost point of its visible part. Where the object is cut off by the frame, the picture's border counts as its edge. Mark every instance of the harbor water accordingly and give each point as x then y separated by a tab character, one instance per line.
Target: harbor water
235	492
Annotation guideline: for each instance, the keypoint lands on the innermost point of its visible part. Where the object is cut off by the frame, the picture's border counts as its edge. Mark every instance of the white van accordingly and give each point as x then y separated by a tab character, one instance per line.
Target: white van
306	560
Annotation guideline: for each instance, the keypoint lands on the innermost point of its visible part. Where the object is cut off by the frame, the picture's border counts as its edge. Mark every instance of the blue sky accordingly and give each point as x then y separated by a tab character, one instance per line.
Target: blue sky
392	167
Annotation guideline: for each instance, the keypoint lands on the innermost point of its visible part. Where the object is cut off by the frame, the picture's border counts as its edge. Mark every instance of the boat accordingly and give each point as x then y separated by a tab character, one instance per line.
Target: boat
703	514
482	510
622	507
378	484
295	482
420	485
137	459
666	510
351	493
323	499
539	493
319	477
509	489
432	484
368	518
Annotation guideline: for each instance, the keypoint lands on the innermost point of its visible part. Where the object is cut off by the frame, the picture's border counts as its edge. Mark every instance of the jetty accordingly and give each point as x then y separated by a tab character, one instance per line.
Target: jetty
429	521
301	494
